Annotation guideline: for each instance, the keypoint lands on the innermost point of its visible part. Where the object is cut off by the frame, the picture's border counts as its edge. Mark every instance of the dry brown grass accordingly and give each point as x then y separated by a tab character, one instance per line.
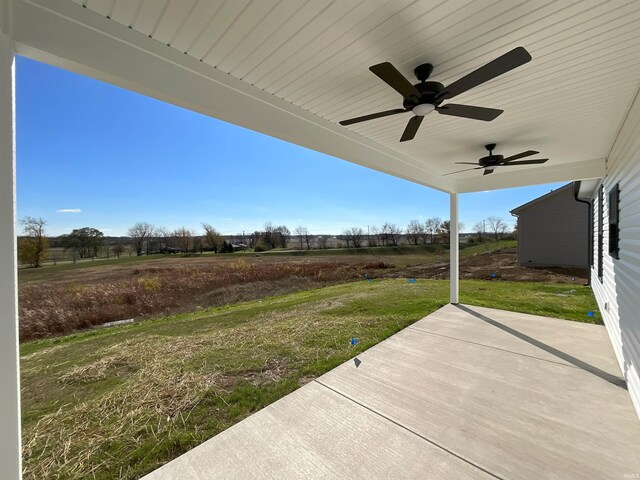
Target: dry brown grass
50	308
152	407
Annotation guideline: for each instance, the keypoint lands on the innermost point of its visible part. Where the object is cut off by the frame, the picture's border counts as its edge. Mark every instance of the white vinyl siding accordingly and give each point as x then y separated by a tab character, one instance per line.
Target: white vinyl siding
618	292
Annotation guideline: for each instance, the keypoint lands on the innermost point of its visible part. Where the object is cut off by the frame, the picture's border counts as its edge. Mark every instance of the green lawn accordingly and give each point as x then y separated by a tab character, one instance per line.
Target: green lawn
120	402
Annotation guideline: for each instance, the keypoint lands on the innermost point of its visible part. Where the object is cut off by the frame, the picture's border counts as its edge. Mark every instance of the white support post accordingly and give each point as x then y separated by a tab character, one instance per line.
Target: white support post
454	256
10	440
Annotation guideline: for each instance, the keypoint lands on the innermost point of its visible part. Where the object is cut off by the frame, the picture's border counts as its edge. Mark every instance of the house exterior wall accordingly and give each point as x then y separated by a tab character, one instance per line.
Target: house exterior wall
554	232
618	291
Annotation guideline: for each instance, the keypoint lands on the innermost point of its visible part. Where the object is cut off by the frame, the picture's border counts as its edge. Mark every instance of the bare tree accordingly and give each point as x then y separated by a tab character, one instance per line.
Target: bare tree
300	232
140	233
184	238
425	235
282	235
384	234
303	236
254	239
346	234
213	237
153	242
445	229
322	241
197	244
479	229
497	226
432	226
118	249
356	236
307	239
374	236
164	237
415	231
34	245
391	234
268	235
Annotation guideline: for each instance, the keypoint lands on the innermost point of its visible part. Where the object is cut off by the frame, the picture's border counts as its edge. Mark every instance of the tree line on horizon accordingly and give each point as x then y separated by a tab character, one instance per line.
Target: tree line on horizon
147	239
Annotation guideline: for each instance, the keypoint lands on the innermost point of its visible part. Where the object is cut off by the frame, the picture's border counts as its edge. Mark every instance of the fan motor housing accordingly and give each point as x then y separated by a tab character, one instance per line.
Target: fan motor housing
490	160
428	92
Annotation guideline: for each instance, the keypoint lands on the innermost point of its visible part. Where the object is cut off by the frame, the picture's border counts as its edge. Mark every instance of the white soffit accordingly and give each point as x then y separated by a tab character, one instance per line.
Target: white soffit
310	60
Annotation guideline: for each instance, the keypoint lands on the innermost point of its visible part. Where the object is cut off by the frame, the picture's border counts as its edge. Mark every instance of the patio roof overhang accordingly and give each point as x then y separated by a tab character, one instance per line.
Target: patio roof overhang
292	70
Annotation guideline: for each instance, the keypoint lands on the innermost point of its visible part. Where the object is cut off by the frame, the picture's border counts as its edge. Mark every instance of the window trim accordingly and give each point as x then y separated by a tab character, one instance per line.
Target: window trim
614	222
600	232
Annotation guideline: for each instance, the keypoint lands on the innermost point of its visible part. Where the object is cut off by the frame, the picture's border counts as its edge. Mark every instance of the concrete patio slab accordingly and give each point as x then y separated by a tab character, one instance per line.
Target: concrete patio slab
466	392
315	433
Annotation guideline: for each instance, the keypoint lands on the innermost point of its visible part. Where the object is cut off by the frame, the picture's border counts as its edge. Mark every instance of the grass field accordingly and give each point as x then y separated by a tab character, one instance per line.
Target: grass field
54	300
119	402
402	256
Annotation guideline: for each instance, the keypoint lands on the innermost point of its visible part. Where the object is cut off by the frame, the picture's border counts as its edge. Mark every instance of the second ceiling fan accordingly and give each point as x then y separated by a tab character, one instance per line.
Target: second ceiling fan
425	97
491	161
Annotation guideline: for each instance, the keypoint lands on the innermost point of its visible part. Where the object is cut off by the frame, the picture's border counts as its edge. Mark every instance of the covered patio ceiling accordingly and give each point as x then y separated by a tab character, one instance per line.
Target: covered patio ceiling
293	69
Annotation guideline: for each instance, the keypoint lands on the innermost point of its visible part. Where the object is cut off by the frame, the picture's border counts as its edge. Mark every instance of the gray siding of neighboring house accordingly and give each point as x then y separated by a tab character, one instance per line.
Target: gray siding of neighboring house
554	231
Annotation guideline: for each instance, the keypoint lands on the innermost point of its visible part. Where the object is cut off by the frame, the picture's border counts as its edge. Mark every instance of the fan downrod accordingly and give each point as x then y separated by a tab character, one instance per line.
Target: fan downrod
490	147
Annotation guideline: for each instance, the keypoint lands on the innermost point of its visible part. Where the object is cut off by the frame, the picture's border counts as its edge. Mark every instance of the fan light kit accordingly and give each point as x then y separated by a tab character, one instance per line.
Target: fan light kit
423	109
491	161
423	98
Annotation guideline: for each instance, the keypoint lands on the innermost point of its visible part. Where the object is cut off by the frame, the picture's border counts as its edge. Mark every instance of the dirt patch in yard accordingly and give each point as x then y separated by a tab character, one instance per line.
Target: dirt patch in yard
501	265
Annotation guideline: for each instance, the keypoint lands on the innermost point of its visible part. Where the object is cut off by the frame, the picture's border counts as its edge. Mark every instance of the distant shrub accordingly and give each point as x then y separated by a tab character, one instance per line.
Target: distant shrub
260	248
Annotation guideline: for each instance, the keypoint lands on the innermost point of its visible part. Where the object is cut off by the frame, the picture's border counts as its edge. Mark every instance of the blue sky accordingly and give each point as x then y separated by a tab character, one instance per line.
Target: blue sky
113	157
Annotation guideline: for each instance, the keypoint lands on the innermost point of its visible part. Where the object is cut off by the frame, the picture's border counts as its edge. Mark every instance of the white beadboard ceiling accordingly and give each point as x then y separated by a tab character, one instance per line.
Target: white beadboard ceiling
568	102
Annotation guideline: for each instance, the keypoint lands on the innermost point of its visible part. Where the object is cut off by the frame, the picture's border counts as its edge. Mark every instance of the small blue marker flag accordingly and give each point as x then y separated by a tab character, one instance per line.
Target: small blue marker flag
354	341
590	314
411	280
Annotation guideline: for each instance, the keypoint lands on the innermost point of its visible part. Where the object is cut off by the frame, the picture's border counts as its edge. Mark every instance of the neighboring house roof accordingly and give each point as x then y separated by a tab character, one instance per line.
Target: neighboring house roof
517	210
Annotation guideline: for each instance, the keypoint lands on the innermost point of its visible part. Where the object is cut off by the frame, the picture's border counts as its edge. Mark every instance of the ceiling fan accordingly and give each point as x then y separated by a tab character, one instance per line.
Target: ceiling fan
491	161
423	98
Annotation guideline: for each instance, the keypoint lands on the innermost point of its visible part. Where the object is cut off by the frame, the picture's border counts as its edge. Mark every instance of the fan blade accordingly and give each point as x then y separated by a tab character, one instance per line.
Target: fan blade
372	116
411	129
487	171
525	162
469	111
465	163
510	60
460	171
528	153
392	77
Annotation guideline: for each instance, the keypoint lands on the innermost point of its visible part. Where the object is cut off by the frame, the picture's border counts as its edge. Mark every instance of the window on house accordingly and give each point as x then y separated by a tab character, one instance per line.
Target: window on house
600	229
614	218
